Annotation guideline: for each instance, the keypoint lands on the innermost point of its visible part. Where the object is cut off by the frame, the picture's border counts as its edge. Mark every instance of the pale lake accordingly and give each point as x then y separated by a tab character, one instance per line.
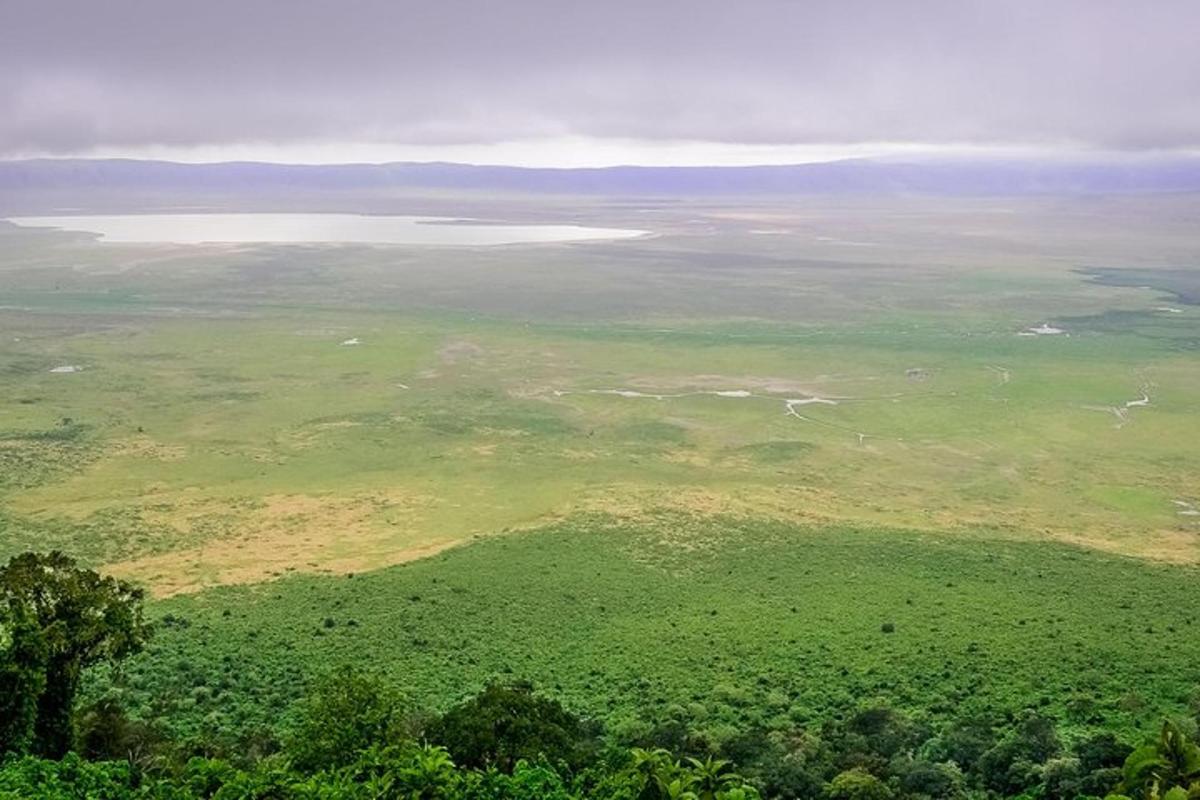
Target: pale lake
314	228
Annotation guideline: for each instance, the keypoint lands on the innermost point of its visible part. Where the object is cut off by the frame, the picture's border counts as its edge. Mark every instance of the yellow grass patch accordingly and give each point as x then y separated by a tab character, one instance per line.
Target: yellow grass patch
285	533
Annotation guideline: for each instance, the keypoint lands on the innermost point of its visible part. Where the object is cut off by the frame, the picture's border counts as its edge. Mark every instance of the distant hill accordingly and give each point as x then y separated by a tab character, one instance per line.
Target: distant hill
933	177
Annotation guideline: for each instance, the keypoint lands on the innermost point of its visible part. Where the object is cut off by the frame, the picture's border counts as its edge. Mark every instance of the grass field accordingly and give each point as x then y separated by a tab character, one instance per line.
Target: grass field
212	451
799	416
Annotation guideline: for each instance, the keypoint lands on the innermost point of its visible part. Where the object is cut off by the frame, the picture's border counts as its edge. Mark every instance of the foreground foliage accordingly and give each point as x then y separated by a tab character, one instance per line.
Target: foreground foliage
347	741
56	620
1168	769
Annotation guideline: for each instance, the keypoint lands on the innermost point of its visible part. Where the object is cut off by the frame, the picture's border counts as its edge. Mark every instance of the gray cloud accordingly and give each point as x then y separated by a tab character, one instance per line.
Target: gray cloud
129	73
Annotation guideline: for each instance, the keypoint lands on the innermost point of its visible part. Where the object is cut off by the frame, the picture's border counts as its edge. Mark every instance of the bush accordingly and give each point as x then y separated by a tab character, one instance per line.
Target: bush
505	724
346	712
858	784
920	778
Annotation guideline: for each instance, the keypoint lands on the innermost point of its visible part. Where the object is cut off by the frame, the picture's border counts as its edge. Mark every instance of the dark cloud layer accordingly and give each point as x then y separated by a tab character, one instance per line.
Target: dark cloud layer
128	73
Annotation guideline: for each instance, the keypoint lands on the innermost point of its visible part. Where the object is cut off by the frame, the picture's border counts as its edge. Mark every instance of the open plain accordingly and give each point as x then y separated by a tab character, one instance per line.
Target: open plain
988	384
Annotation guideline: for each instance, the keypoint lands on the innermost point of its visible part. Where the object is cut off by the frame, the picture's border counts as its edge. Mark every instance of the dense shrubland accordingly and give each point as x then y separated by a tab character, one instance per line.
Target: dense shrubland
719	625
354	736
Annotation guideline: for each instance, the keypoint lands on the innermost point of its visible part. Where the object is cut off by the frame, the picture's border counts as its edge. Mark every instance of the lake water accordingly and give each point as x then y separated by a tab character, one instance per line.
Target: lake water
313	228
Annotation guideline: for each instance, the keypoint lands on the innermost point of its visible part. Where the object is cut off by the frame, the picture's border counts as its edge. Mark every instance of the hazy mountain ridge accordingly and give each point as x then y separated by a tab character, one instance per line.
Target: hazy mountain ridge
934	177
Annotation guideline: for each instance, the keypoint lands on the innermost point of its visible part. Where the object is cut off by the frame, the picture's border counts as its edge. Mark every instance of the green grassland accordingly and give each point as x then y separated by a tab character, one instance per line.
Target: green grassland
558	461
726	623
196	449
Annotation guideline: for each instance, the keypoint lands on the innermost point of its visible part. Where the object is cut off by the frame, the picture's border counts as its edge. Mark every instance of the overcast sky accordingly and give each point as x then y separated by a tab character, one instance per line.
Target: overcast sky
537	81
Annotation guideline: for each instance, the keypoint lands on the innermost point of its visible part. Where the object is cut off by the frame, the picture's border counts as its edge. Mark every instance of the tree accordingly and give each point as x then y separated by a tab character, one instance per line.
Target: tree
653	771
858	784
1100	758
920	778
1167	769
506	723
105	733
429	775
30	778
22	677
964	742
1101	751
880	731
57	621
1062	779
657	775
710	777
1015	763
346	712
527	782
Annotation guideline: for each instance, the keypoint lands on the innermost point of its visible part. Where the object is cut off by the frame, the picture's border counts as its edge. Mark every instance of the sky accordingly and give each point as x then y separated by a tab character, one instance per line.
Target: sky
566	83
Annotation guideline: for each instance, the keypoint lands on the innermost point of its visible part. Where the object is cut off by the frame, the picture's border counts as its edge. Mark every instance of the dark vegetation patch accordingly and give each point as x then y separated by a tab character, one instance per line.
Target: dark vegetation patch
1168	332
32	457
369	418
484	411
653	433
18	366
104	536
1182	283
779	452
228	395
